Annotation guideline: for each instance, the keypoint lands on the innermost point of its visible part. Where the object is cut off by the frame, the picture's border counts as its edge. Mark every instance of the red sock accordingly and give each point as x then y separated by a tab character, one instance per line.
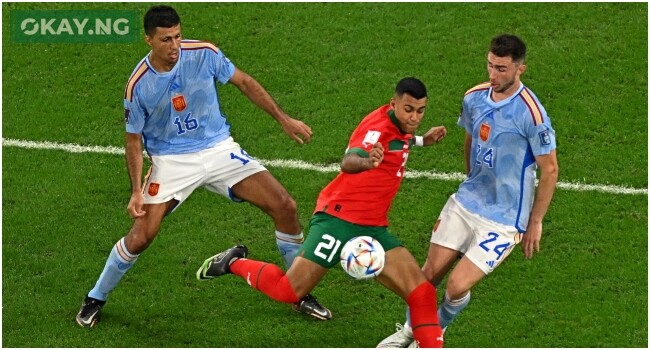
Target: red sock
424	316
267	278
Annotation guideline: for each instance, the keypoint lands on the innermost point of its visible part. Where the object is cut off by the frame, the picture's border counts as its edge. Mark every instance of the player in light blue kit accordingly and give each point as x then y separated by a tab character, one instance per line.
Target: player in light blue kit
171	106
508	136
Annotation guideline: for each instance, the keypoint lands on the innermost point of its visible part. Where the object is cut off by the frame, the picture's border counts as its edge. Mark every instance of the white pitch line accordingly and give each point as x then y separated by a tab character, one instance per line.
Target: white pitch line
299	164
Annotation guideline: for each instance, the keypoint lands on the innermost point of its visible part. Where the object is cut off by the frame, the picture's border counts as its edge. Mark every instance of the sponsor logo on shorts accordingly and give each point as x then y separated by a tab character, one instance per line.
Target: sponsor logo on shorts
153	189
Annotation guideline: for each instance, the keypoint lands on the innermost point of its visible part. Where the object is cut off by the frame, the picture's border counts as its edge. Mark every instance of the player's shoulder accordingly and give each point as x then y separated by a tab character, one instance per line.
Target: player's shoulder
478	88
378	118
375	121
380	112
532	106
189	45
141	70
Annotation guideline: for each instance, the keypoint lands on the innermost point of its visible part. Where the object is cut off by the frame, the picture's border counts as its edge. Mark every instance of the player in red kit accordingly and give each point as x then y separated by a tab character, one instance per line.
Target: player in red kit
356	203
364	197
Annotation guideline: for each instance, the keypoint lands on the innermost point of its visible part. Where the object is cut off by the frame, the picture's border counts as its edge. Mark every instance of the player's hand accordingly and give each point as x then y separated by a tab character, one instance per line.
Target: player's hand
530	242
434	135
376	155
135	205
297	130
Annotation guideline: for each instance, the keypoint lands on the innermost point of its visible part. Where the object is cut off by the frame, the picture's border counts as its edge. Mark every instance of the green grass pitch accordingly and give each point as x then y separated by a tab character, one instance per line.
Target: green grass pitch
328	64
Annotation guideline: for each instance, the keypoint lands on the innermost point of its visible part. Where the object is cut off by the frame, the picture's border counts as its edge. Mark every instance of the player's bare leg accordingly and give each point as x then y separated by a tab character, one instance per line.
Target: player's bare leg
457	295
463	277
265	192
439	261
146	228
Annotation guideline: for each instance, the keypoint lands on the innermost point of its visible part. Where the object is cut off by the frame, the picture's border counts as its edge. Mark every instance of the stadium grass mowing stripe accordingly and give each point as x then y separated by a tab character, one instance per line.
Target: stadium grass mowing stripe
301	165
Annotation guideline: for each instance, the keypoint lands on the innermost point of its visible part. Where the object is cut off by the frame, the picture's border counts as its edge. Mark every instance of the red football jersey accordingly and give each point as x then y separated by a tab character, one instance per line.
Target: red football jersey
364	198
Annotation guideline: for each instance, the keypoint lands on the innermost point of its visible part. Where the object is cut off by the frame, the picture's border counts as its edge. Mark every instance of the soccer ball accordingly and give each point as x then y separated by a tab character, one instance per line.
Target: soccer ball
363	257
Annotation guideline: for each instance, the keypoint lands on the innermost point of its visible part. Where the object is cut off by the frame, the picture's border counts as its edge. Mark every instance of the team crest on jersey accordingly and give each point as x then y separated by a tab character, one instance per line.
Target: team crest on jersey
153	189
484	133
179	103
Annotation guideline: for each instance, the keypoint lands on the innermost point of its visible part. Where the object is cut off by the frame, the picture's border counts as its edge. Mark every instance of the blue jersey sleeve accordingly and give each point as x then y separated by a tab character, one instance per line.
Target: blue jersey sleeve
465	118
541	138
539	132
134	115
220	66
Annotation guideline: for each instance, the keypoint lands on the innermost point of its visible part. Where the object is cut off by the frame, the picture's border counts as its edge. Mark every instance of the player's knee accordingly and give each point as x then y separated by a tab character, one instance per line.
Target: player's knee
431	273
409	280
456	288
285	207
137	240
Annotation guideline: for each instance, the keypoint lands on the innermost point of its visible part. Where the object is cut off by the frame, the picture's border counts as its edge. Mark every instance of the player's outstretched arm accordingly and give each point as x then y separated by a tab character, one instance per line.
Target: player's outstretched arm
354	163
297	130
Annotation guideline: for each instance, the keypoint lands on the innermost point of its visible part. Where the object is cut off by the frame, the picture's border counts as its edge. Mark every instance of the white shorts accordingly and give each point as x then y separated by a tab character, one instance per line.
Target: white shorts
484	242
217	169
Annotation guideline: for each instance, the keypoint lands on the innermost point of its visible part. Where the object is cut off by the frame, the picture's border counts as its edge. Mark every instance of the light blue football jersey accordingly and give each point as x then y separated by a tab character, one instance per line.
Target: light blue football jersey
506	137
178	111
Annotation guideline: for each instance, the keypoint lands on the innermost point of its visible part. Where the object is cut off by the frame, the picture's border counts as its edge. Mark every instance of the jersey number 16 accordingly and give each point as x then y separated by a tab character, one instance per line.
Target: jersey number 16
188	124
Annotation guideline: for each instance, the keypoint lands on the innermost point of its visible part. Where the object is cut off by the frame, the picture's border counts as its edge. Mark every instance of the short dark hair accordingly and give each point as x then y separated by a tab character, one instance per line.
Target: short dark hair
160	16
411	86
508	45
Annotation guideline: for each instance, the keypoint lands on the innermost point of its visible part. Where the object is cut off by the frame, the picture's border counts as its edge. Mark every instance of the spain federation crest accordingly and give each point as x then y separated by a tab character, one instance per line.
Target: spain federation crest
153	189
484	133
179	103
